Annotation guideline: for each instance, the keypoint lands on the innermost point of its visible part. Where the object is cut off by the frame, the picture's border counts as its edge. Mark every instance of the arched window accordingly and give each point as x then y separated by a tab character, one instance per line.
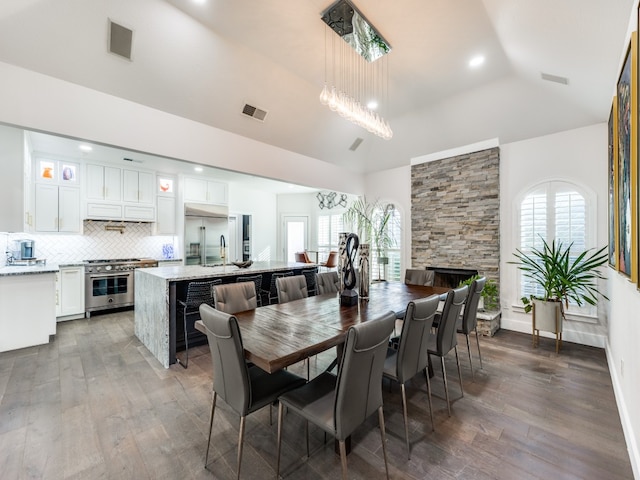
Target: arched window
391	250
557	211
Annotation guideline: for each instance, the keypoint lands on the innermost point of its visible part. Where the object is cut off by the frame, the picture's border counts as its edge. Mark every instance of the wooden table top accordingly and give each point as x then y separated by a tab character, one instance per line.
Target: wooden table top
276	336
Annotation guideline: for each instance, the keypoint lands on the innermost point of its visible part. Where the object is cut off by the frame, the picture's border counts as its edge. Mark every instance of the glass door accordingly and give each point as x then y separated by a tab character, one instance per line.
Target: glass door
296	236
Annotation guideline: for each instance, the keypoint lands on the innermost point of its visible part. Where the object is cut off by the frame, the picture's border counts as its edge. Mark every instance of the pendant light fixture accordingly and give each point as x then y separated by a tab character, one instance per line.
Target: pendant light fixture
359	69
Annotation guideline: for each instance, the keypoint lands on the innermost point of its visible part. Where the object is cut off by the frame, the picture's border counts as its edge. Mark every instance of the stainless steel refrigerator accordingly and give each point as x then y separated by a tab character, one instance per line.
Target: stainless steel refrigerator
206	232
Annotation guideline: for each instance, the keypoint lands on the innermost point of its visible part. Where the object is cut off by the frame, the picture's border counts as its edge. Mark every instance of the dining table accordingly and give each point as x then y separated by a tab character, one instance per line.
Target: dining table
277	336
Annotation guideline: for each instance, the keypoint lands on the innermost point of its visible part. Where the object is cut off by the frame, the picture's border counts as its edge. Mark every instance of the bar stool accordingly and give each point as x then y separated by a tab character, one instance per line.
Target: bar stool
257	279
197	294
272	293
310	275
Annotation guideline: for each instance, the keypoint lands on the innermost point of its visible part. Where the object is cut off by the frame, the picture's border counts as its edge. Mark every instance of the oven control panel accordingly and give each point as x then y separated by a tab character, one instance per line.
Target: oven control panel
114	266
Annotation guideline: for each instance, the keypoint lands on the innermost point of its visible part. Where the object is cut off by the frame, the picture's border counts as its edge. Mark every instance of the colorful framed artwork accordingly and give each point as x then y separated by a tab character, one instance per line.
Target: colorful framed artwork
626	141
612	181
68	173
47	171
165	185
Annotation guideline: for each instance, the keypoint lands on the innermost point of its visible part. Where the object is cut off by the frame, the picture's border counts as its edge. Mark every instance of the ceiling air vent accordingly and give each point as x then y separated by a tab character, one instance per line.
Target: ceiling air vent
254	112
555	78
120	39
355	144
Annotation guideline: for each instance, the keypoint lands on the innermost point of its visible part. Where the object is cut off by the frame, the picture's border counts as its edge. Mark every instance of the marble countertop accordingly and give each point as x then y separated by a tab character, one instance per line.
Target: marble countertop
192	272
32	270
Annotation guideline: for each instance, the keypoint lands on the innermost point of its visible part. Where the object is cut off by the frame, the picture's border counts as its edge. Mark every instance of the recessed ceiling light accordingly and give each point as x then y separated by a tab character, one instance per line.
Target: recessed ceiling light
372	105
476	61
85	148
197	169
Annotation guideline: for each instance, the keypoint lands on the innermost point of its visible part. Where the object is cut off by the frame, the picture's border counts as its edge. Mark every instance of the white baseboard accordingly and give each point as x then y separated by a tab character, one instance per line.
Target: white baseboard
627	427
583	338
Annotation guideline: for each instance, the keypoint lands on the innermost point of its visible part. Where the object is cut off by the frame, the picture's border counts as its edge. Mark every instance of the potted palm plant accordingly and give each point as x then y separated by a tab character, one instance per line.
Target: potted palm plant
371	222
562	278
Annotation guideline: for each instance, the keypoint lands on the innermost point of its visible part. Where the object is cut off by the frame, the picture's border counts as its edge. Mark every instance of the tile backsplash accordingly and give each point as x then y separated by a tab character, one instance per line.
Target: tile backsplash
135	241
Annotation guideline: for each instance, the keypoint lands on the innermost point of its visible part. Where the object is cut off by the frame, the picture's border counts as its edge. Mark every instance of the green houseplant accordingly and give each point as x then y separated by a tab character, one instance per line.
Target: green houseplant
371	221
489	295
562	278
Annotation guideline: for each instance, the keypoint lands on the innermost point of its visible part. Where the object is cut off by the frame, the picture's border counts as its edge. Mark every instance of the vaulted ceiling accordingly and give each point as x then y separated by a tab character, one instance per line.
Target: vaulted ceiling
204	61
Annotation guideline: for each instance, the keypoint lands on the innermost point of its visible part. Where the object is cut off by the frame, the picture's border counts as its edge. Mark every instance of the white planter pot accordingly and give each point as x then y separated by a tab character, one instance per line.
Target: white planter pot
547	316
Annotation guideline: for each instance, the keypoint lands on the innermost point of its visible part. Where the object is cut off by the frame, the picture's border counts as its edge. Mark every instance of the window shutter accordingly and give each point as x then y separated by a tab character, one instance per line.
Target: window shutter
571	227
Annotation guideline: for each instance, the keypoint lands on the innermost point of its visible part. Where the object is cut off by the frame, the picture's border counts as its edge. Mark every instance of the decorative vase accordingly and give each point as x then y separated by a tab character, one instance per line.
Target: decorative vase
349	295
363	270
342	258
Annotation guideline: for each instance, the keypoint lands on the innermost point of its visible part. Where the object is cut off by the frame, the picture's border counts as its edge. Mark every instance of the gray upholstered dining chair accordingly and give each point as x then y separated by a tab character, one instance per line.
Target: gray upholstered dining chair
416	276
197	294
257	280
245	388
469	321
235	297
419	276
291	288
327	282
445	340
411	356
339	404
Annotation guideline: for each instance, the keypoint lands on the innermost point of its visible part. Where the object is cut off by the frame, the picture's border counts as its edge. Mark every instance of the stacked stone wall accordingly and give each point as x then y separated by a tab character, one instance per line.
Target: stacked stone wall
455	213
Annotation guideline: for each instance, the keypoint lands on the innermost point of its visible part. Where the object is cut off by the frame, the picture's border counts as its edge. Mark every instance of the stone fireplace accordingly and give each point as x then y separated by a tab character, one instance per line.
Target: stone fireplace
455	216
451	277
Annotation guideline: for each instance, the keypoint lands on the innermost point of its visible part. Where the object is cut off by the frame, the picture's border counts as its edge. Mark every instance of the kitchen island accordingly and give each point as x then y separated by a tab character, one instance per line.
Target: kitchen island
159	288
27	305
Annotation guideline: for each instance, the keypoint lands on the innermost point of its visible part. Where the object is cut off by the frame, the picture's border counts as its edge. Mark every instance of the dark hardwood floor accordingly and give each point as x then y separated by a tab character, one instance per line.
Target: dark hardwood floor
95	404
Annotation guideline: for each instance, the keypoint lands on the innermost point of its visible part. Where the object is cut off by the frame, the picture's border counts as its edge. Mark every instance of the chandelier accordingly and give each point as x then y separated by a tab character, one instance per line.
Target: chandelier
359	69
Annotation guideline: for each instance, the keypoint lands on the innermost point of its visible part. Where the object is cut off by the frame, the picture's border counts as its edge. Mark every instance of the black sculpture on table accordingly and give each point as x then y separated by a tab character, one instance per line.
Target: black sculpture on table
349	295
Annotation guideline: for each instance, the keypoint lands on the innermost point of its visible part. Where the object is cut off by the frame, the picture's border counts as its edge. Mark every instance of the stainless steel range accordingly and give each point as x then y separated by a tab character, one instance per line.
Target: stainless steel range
110	283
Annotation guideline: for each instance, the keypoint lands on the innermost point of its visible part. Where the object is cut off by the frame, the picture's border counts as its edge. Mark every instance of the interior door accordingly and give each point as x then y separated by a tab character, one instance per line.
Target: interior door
296	235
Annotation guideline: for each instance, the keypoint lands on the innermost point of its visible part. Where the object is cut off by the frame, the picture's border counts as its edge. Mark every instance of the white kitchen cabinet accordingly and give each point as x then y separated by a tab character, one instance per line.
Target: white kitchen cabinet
103	183
166	218
70	293
201	190
104	211
27	310
57	209
116	194
139	213
138	187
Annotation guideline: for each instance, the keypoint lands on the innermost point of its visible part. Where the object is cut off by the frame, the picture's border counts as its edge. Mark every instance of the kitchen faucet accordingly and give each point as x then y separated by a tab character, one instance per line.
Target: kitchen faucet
223	246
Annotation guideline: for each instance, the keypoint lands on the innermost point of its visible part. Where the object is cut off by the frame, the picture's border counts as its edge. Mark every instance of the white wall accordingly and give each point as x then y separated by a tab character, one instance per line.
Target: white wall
11	193
578	156
622	340
622	348
38	102
394	186
262	206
